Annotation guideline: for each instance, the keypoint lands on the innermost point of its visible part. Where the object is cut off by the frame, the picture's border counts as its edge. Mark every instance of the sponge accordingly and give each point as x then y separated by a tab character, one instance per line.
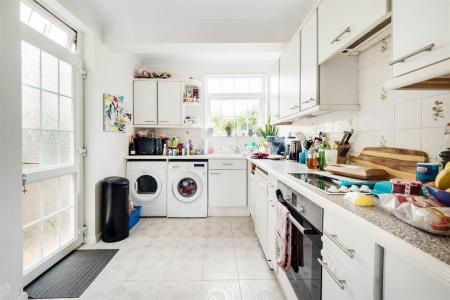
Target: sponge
364	200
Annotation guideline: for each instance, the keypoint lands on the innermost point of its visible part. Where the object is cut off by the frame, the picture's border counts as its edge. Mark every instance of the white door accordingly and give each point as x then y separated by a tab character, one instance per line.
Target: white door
290	78
52	168
419	25
169	103
271	224
341	21
145	102
275	91
227	188
261	211
309	68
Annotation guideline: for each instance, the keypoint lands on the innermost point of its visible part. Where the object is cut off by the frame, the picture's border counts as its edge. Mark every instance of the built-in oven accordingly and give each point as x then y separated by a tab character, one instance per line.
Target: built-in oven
305	272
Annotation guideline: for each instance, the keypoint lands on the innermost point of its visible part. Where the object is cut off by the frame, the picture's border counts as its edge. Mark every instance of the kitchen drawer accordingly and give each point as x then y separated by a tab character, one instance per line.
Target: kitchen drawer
355	285
228	164
351	246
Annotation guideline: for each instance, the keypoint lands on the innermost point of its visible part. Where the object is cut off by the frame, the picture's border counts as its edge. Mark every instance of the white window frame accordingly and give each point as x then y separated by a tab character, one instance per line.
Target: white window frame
239	96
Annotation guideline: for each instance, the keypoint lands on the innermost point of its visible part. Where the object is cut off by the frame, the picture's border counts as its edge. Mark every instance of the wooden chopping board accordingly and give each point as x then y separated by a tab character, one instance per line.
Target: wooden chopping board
359	172
399	163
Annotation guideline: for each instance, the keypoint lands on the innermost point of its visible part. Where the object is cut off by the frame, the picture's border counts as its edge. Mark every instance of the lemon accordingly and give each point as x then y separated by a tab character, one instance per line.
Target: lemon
364	200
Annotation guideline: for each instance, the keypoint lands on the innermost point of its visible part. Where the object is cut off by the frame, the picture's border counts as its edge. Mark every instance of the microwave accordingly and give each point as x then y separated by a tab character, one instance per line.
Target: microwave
148	146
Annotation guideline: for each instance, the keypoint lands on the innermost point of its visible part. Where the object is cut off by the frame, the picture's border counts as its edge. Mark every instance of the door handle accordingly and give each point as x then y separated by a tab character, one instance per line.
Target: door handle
350	252
215	173
161	121
310	100
338	38
404	58
149	121
339	282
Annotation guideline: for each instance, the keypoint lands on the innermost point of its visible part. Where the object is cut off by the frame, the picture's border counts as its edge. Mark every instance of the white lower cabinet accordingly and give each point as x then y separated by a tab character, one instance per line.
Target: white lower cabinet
261	203
272	222
227	188
250	191
350	260
403	280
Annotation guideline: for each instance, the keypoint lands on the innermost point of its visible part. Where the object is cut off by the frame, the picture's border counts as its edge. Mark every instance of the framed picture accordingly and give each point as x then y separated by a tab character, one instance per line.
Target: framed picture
115	114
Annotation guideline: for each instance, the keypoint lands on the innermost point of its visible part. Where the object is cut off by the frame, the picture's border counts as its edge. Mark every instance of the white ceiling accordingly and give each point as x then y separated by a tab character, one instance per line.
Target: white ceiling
157	30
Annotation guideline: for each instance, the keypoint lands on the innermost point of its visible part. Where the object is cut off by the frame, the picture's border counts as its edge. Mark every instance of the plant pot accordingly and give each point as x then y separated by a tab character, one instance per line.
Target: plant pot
228	133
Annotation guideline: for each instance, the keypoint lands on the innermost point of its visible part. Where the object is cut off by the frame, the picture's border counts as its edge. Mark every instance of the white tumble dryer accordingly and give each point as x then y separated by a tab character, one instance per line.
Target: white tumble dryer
187	184
148	186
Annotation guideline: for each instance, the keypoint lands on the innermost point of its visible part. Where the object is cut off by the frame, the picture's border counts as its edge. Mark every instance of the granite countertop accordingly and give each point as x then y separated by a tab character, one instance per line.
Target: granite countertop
429	244
200	156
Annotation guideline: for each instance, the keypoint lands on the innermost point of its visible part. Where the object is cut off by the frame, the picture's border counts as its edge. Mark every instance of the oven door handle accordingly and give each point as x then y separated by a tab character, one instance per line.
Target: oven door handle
296	224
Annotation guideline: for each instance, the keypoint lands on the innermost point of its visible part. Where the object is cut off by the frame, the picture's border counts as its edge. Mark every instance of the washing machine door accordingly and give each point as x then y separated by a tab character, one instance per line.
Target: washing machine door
187	188
146	186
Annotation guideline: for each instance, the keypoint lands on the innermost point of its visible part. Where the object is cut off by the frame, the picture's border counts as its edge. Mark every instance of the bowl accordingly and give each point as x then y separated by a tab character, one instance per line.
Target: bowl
440	195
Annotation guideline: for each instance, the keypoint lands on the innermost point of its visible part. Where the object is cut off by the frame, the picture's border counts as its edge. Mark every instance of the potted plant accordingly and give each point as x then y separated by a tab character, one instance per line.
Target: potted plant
268	130
228	128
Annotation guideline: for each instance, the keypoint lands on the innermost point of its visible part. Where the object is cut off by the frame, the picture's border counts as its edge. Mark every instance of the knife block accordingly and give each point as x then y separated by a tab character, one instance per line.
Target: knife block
342	152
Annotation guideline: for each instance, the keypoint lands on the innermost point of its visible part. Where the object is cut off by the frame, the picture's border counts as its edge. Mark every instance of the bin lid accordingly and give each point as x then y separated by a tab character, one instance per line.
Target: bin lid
116	180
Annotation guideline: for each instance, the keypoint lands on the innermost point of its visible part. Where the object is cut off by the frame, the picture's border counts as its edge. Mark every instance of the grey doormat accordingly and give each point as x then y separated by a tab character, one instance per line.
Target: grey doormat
71	276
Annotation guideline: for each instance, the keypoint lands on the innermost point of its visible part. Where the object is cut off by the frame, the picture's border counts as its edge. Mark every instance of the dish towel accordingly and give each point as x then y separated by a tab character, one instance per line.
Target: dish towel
283	233
296	257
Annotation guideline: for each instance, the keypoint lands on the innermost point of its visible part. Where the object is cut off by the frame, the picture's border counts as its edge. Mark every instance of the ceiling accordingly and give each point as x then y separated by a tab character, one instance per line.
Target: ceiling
157	30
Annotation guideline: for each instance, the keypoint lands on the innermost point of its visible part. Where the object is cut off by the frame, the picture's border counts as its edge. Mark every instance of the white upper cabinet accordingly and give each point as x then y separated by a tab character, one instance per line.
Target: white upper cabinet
274	84
309	68
290	78
421	34
145	102
343	21
169	103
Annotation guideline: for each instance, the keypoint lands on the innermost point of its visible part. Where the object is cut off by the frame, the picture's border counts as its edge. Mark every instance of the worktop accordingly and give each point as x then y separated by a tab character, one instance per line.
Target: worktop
186	157
429	252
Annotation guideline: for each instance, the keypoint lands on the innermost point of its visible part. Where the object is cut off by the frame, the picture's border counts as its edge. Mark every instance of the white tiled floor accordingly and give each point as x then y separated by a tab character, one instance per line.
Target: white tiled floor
215	258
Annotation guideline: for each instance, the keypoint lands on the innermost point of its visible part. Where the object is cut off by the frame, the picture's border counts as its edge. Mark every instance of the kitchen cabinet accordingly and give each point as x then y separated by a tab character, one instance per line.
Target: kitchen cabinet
261	204
309	69
145	102
272	222
274	85
250	190
342	22
346	254
420	34
290	78
227	184
402	280
169	103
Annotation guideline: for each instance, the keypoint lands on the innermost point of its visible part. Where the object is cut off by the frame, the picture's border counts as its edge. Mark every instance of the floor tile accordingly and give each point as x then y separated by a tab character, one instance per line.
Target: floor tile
190	249
160	249
223	290
254	268
184	269
217	269
138	290
219	231
261	290
194	231
248	248
102	289
149	268
132	249
179	290
219	248
118	269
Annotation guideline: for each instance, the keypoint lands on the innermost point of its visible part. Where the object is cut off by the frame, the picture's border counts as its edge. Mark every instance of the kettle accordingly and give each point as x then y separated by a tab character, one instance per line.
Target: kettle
295	149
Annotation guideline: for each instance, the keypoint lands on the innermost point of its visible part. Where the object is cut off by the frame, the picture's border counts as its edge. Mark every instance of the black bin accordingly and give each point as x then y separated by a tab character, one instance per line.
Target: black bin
114	209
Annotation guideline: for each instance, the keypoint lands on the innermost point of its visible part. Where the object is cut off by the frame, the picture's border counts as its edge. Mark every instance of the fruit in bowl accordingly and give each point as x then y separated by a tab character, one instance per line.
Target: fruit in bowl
442	196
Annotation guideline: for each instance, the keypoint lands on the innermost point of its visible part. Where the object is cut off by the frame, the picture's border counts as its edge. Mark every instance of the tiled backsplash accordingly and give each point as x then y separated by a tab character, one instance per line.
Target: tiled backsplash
411	119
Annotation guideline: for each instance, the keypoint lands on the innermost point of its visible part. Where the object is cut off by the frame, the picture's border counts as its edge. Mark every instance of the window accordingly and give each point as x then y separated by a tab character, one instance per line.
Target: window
235	103
45	23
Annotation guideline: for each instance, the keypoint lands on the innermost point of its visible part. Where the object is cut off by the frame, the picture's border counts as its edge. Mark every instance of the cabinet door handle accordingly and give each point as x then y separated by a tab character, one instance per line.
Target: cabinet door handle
215	173
350	252
338	38
309	100
339	282
404	58
227	164
293	107
161	121
149	121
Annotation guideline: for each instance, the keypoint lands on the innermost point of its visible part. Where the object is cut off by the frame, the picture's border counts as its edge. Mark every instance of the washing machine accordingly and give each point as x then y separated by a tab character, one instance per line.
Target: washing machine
187	189
148	186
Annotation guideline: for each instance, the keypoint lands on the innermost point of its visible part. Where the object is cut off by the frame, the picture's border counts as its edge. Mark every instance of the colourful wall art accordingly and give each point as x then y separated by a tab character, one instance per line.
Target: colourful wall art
115	114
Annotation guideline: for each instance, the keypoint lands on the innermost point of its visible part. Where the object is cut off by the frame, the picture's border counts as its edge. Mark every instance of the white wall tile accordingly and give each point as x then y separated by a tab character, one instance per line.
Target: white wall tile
365	78
382	118
384	138
366	58
432	141
366	98
408	114
408	138
360	140
382	71
436	110
406	95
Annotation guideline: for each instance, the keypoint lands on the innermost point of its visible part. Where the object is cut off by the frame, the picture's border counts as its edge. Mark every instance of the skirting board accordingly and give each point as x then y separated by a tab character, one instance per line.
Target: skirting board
22	296
228	212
